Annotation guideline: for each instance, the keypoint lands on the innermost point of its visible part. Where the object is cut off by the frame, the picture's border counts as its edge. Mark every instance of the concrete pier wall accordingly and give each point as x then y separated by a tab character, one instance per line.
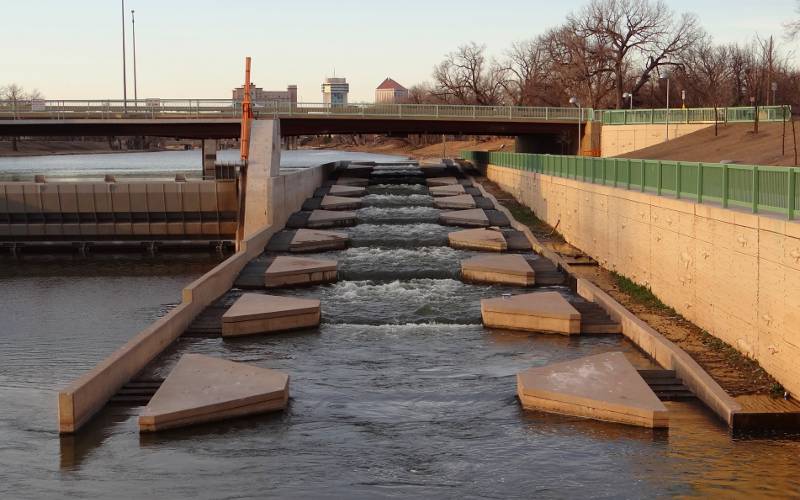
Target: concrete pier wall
734	274
78	402
616	140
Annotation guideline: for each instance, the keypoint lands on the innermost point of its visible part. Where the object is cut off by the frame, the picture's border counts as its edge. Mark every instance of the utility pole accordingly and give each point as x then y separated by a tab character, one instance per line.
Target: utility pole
133	29
124	75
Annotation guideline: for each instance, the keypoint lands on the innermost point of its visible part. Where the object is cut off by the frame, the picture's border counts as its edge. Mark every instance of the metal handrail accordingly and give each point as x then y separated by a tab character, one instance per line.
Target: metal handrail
695	115
756	187
63	109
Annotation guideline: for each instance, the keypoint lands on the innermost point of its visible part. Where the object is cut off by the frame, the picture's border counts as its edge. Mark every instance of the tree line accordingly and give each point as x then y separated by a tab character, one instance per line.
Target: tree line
614	54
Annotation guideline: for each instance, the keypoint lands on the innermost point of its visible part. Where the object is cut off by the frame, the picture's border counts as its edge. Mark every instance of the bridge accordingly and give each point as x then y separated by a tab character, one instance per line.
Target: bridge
220	119
537	129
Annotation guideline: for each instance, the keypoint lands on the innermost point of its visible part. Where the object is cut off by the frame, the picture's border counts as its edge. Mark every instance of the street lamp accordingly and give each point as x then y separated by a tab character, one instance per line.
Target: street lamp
628	95
133	29
124	76
665	76
574	101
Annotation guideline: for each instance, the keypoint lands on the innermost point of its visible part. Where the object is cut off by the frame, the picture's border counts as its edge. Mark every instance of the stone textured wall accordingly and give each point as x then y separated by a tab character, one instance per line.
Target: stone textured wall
618	140
733	273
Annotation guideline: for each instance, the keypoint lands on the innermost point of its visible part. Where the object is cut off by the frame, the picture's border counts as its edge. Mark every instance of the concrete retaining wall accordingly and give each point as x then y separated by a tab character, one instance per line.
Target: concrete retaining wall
734	274
117	210
78	402
616	140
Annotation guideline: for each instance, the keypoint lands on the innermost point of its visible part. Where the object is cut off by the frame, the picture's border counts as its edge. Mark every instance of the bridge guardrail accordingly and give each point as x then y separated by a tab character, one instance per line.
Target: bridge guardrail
758	188
226	108
695	115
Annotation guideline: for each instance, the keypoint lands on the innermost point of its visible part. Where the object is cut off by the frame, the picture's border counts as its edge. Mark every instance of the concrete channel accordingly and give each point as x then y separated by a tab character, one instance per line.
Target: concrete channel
384	278
384	258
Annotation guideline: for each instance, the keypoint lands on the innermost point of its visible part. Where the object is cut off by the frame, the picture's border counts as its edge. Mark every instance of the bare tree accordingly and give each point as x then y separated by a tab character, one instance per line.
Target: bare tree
706	72
614	46
16	98
468	78
793	27
578	67
637	36
528	73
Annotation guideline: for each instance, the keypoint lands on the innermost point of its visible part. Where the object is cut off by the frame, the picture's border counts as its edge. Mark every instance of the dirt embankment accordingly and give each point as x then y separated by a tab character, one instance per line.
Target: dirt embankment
734	142
422	152
736	374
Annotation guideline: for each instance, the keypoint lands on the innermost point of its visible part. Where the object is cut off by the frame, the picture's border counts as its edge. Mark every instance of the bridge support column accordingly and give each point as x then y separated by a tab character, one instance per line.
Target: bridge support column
210	147
263	171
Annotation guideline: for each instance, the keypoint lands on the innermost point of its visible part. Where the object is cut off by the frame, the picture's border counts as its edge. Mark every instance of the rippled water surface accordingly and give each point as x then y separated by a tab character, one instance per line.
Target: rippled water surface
400	392
154	165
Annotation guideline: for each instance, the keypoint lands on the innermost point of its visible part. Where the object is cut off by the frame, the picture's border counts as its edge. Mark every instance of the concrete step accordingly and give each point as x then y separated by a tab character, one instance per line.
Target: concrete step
666	385
594	319
547	274
137	392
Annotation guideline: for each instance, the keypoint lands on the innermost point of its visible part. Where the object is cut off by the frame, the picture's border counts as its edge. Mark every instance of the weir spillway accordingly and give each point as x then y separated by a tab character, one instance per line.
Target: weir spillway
401	390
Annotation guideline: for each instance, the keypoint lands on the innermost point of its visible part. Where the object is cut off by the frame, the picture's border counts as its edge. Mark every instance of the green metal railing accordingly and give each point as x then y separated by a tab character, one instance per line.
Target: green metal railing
758	188
695	115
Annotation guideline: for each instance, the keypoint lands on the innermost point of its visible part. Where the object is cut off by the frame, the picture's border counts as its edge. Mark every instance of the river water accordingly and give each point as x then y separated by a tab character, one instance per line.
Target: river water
153	165
401	392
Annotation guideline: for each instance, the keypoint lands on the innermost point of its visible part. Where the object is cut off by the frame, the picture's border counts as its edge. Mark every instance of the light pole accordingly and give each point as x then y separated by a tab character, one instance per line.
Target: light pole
665	76
774	93
628	95
124	76
133	29
574	101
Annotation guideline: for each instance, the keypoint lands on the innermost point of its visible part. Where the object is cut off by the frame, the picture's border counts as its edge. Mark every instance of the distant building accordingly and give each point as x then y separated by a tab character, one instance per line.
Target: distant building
391	92
257	94
334	91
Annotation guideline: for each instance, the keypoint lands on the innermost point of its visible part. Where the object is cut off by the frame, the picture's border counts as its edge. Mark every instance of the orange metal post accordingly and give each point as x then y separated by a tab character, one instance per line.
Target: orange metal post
244	150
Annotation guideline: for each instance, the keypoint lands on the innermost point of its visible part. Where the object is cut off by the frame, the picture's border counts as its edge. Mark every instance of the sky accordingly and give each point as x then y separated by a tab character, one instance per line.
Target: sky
196	48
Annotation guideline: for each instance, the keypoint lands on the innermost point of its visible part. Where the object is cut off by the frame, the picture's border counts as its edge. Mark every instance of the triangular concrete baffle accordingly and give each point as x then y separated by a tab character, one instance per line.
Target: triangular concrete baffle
452	190
331	218
601	387
460	202
311	240
478	239
504	269
256	313
441	181
532	312
204	389
330	202
286	271
469	218
337	190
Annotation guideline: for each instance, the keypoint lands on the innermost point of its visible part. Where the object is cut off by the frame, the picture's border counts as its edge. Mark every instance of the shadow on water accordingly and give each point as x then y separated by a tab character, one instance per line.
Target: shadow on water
76	448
